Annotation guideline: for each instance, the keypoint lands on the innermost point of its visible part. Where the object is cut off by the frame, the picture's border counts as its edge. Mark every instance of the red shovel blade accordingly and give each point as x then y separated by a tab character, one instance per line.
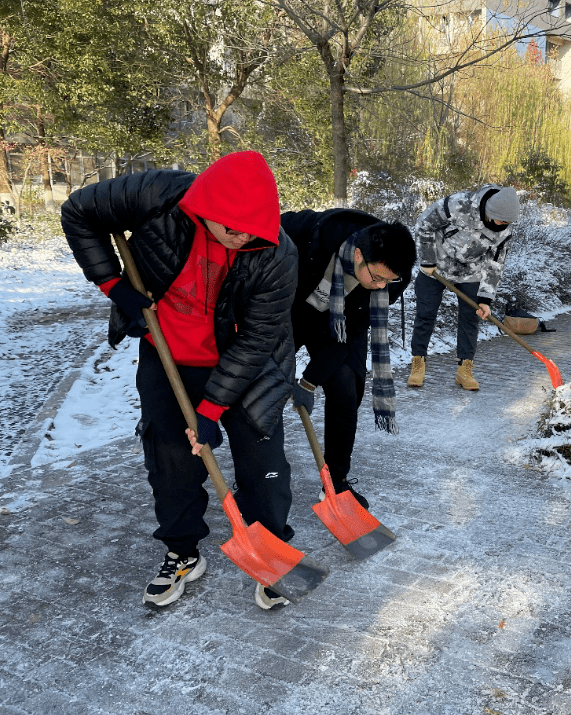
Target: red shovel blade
352	525
552	369
269	560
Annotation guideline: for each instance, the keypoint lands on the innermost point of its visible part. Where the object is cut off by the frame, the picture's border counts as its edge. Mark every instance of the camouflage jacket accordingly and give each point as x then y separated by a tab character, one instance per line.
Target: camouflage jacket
458	242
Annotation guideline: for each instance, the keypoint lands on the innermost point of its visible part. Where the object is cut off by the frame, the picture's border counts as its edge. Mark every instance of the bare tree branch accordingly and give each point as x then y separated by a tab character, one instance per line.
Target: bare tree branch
442	75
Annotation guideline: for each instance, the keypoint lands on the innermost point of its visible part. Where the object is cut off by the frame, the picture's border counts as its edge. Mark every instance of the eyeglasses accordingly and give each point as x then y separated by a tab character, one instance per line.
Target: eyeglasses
232	232
379	279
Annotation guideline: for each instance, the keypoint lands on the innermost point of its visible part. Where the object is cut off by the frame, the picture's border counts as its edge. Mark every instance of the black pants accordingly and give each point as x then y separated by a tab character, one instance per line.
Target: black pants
343	395
428	298
262	473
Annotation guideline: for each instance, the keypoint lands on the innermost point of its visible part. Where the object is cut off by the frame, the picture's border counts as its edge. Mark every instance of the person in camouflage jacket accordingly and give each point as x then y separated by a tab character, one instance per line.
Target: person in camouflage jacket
465	236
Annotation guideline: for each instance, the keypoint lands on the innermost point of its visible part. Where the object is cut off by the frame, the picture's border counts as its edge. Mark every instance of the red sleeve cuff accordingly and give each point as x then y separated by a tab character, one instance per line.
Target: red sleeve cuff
106	287
210	410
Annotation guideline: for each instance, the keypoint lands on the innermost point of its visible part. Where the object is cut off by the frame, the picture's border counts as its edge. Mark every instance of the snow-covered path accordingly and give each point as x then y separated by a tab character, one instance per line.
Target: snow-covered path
467	613
50	320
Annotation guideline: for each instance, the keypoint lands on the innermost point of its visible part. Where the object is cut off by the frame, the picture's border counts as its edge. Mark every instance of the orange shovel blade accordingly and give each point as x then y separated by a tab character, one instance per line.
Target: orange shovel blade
352	525
552	369
269	560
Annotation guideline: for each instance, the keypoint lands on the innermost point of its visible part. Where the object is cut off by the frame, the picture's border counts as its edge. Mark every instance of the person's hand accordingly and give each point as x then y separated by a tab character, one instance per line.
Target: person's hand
484	312
208	433
303	394
428	270
131	302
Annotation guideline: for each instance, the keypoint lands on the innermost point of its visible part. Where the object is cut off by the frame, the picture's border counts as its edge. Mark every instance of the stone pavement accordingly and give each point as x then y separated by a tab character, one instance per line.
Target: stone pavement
466	613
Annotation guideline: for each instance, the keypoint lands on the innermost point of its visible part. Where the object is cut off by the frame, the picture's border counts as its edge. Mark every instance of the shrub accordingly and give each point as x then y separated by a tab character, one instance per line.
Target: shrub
541	174
6	228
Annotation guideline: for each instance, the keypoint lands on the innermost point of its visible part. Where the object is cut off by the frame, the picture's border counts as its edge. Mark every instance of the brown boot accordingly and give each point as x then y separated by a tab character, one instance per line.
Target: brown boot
416	377
464	376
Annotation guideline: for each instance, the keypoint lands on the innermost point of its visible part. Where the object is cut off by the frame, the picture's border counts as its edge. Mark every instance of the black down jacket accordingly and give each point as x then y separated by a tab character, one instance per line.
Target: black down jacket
252	319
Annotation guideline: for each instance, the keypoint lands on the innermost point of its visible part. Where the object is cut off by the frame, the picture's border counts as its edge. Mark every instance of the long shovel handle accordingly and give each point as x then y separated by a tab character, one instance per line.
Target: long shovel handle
311	436
552	369
170	366
491	318
316	449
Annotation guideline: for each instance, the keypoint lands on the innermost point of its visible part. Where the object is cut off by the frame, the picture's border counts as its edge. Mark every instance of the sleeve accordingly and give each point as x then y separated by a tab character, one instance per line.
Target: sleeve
213	412
90	215
108	285
432	220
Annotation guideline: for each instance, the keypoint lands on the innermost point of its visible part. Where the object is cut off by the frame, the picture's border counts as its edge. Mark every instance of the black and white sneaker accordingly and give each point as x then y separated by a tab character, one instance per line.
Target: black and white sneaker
347	484
266	598
168	584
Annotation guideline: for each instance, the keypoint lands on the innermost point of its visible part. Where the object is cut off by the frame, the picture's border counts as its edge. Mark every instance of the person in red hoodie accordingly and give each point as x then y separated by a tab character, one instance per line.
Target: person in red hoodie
222	276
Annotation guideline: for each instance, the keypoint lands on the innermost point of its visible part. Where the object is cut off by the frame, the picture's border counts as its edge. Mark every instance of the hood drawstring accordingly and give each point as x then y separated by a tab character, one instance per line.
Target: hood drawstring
207	277
231	279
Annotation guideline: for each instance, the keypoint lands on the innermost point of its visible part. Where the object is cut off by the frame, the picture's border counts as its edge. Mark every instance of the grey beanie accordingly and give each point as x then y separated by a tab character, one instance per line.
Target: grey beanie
503	206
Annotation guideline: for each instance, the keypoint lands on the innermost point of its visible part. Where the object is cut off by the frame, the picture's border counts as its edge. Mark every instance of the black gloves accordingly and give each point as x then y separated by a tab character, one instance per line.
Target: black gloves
208	431
303	395
131	303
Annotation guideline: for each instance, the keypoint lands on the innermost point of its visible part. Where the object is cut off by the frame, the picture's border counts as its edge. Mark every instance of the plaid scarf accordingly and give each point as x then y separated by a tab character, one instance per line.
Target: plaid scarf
383	387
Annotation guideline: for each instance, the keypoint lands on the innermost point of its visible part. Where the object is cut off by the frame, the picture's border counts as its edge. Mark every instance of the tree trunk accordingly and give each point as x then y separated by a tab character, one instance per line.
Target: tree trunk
48	192
214	143
5	178
6	187
339	137
44	165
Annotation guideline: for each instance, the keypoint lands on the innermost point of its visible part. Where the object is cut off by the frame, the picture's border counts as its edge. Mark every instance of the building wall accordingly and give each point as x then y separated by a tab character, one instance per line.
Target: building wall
450	22
564	67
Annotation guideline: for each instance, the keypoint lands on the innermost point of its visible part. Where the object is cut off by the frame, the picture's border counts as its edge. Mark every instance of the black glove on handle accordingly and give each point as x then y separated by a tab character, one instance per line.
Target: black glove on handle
208	431
303	395
131	303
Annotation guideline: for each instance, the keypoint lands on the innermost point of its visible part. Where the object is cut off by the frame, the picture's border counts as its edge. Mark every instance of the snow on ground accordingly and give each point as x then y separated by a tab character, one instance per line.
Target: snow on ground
53	320
102	405
457	618
551	448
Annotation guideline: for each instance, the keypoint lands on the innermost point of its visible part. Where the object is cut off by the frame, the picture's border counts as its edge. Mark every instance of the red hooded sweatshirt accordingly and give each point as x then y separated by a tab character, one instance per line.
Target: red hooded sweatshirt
238	191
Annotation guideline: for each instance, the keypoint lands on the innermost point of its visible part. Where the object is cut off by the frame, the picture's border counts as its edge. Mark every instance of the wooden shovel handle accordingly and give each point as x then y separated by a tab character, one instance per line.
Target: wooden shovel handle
170	366
311	436
493	320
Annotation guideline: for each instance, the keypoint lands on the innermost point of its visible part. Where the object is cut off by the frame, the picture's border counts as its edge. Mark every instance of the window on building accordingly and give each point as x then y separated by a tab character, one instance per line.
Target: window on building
553	6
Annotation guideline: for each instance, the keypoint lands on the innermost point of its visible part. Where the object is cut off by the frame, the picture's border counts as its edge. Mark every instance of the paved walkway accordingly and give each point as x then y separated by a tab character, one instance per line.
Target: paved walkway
466	613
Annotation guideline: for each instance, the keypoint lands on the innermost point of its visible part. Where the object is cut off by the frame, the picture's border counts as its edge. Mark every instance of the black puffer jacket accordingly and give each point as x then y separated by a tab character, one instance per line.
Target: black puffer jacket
252	320
317	236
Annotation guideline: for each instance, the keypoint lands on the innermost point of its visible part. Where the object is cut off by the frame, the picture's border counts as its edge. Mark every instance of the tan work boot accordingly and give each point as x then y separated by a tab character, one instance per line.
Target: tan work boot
464	376
416	377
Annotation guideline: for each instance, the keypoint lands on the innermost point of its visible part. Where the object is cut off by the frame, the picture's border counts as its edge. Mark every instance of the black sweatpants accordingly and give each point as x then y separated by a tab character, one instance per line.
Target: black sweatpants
261	471
428	298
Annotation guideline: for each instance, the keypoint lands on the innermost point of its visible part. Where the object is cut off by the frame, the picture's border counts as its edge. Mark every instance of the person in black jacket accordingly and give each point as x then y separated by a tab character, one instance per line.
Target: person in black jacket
222	276
351	267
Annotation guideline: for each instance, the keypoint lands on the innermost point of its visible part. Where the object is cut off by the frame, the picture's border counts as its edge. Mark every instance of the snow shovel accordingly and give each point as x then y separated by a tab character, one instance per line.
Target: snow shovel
352	525
255	550
552	369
